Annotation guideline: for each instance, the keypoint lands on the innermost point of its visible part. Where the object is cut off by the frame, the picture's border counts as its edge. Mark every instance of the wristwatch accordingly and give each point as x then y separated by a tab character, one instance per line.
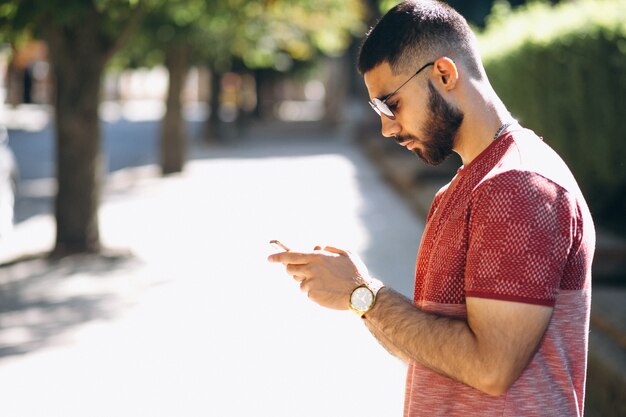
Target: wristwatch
363	297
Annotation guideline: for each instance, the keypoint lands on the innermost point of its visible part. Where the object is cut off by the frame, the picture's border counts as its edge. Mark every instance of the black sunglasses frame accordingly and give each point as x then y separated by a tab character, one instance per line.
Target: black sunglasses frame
380	104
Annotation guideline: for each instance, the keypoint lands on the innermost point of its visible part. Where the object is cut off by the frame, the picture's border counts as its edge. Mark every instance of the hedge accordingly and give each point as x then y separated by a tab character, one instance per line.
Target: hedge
561	71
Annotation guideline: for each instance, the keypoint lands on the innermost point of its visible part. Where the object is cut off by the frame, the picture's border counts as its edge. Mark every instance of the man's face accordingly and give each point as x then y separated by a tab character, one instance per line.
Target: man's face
425	122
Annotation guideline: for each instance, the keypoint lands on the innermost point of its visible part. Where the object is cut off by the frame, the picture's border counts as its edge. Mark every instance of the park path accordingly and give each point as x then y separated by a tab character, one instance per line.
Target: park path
185	317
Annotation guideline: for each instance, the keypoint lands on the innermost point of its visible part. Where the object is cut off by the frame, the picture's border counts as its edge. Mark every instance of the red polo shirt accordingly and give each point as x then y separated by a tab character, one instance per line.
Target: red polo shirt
514	226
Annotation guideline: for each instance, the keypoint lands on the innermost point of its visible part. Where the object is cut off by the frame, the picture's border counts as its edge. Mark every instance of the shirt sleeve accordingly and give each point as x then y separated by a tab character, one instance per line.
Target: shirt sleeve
520	235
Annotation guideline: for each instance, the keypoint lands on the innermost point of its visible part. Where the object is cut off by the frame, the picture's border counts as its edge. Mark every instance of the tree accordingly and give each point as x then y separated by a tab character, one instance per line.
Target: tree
278	35
82	36
173	131
233	34
168	34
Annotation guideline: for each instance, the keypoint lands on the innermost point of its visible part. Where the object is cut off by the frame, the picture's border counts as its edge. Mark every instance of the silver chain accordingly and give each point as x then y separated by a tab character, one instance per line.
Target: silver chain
504	126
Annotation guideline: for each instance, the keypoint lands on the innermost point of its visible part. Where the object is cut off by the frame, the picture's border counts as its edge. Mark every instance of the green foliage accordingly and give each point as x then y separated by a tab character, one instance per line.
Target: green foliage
28	19
166	23
275	32
260	34
385	5
562	71
28	15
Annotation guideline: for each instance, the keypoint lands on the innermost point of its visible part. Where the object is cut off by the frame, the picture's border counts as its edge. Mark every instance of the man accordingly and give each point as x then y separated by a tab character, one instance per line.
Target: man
499	321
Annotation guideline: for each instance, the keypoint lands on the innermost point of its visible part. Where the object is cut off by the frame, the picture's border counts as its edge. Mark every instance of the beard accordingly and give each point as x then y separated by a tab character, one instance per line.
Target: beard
440	131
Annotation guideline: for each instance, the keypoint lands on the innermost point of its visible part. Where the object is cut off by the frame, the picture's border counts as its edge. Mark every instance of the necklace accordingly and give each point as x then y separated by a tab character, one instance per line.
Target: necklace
504	126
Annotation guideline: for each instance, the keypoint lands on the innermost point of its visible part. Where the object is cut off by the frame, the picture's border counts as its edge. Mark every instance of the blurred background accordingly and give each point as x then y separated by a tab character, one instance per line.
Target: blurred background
149	149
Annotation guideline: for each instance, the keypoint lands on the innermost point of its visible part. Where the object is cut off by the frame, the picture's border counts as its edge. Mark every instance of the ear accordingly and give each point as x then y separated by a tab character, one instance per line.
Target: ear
446	72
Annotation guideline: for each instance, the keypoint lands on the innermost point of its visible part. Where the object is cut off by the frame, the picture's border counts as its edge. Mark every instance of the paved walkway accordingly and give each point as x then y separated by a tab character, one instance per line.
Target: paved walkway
196	322
186	318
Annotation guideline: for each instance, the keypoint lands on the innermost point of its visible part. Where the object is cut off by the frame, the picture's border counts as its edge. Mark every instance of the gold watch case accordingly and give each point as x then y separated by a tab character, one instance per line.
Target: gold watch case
362	300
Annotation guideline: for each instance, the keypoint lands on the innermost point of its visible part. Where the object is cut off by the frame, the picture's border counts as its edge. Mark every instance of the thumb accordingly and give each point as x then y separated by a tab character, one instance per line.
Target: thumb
335	250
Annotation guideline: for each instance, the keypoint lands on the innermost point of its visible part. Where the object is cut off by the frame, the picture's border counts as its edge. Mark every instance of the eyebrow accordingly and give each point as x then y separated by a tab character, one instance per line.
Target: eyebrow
385	97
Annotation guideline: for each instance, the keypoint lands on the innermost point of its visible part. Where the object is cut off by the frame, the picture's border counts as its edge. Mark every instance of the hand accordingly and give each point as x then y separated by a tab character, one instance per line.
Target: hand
328	276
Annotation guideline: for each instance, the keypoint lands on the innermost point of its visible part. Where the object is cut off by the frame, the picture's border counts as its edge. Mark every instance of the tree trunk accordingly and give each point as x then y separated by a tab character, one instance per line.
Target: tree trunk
173	130
336	90
212	131
13	80
265	99
259	83
78	56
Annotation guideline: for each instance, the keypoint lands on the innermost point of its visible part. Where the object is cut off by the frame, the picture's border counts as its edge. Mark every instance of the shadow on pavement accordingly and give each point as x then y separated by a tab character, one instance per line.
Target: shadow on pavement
41	299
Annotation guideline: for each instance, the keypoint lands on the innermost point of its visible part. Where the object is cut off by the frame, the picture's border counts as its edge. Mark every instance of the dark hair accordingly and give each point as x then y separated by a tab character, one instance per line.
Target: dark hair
419	30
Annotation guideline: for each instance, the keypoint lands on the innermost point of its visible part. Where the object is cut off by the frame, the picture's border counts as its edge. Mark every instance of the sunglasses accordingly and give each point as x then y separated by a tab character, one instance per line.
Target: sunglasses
381	107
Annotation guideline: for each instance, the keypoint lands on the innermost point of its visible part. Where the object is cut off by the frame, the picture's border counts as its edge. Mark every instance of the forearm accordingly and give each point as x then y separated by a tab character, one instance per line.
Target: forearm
447	346
386	343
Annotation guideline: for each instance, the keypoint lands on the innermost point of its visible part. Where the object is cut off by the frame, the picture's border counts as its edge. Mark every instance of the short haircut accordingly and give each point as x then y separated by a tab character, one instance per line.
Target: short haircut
417	31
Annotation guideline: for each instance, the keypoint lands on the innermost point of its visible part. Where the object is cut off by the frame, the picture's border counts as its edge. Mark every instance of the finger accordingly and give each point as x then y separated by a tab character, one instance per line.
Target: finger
295	269
299	278
290	258
332	249
317	248
304	286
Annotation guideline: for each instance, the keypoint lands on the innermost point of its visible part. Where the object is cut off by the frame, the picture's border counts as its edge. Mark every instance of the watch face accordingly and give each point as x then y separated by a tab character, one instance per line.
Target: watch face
362	298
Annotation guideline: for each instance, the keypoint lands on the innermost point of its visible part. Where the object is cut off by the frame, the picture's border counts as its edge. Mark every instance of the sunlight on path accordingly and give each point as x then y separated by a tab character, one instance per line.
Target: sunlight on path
203	325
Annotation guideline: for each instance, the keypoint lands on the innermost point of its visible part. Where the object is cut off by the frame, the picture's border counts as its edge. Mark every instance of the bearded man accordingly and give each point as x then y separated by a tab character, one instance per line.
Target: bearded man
499	321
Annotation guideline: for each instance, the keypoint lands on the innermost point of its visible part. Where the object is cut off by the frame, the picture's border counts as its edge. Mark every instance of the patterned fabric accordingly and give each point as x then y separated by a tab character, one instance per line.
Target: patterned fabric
513	226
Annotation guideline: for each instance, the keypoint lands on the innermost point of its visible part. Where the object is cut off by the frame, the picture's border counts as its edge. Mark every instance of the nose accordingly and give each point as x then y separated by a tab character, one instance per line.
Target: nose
390	128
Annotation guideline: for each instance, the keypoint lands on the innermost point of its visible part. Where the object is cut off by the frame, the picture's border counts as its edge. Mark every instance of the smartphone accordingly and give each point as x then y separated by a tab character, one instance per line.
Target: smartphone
277	245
